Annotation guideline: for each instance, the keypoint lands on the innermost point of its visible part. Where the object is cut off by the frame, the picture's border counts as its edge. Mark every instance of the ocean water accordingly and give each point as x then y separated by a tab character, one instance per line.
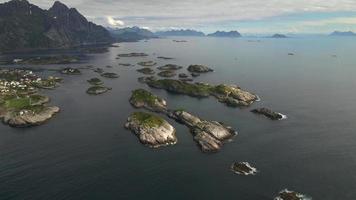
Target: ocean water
85	153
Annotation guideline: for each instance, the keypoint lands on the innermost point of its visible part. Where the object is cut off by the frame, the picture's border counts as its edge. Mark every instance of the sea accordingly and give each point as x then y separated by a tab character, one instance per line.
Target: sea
85	152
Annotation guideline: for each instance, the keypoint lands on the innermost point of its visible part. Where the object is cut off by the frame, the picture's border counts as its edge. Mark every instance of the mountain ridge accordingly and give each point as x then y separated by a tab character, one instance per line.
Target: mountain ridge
25	26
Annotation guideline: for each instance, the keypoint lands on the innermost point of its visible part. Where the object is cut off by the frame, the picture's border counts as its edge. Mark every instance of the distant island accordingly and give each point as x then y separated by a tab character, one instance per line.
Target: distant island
340	33
26	26
181	32
225	34
279	36
131	34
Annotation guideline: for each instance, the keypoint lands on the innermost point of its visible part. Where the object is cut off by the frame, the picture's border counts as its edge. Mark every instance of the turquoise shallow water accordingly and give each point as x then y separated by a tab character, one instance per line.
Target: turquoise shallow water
85	153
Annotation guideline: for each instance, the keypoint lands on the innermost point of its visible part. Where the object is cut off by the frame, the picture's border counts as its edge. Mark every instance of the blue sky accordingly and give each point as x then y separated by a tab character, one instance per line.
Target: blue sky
246	16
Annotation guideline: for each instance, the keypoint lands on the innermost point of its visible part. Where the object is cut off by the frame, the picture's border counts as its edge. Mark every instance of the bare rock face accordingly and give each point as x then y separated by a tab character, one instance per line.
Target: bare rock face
151	130
210	135
25	118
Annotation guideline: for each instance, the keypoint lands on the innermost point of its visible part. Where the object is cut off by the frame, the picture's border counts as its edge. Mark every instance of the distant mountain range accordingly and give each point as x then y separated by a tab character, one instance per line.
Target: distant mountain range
279	36
225	34
25	26
339	33
131	34
182	32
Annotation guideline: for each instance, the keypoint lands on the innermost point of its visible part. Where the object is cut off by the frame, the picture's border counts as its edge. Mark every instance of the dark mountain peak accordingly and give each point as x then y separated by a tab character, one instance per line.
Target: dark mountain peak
19	2
58	8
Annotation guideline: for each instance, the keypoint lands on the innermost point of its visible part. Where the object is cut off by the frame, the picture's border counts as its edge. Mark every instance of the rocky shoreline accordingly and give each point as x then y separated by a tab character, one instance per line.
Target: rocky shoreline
20	103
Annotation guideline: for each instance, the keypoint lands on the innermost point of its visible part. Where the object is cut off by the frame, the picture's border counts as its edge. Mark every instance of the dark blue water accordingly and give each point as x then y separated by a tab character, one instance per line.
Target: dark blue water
85	153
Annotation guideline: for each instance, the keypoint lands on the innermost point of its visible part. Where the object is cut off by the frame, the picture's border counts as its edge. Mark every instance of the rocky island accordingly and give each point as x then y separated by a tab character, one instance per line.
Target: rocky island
141	98
151	130
210	135
231	95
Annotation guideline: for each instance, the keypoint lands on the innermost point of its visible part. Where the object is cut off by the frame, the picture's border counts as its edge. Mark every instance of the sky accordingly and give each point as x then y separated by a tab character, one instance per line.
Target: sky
245	16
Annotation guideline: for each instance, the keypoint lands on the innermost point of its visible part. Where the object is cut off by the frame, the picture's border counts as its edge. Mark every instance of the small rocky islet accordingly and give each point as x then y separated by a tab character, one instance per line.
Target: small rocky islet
291	195
170	67
20	103
151	130
167	74
95	81
141	98
147	63
132	55
243	168
97	89
269	113
146	70
109	75
199	69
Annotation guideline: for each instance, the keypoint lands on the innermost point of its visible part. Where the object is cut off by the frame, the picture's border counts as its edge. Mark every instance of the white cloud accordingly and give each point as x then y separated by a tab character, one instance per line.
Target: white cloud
114	22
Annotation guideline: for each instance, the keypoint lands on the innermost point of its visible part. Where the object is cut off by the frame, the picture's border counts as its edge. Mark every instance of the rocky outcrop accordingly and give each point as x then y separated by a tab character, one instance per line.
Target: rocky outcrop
151	130
141	98
291	195
243	168
199	69
210	135
269	113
